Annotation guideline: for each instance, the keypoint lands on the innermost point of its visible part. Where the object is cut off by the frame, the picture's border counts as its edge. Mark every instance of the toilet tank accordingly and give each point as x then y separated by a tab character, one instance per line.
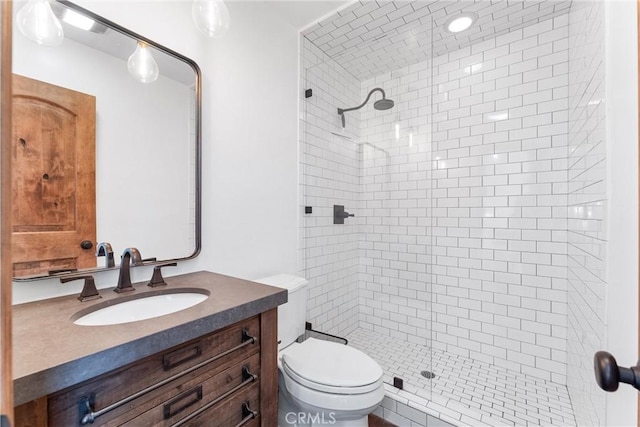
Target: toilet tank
292	314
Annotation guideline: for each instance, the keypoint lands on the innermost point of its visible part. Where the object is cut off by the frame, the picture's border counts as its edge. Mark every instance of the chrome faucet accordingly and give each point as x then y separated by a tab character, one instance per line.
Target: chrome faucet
130	256
104	249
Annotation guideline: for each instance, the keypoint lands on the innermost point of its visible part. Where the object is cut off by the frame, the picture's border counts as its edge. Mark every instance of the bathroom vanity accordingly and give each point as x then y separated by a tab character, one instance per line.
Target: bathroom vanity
210	364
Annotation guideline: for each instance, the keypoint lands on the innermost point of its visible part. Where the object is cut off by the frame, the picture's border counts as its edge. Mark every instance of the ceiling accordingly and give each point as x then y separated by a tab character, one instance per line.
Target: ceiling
301	13
369	38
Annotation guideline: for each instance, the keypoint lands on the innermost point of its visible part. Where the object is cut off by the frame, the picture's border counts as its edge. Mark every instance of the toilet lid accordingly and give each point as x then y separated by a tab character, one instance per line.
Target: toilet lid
331	364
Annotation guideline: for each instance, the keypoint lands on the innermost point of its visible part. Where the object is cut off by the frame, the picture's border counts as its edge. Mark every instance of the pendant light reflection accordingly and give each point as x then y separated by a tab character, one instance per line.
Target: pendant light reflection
38	23
211	17
141	64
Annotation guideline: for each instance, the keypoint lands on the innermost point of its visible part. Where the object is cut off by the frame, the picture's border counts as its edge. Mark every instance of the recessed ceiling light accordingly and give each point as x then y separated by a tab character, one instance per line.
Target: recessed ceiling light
460	22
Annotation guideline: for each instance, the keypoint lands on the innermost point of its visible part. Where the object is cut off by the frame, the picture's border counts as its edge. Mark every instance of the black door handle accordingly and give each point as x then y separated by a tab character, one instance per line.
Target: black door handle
609	375
86	244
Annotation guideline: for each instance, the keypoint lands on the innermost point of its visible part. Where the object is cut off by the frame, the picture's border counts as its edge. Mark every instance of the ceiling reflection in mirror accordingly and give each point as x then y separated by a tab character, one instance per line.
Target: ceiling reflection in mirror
147	148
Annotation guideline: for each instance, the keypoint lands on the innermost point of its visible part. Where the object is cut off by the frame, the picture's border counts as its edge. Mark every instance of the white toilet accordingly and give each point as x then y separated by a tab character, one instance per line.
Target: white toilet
320	382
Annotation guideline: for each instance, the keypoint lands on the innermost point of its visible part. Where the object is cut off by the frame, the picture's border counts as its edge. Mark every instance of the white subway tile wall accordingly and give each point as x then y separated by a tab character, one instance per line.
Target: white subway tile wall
587	200
465	241
329	174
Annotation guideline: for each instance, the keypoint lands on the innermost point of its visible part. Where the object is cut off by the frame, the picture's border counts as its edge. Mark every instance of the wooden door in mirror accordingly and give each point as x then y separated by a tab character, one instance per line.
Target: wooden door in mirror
53	178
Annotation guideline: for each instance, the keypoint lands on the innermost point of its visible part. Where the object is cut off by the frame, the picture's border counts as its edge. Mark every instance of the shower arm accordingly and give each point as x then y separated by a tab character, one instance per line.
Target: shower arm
341	111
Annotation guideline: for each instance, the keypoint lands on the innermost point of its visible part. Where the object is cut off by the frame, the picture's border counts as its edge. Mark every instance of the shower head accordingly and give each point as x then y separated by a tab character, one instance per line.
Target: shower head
381	104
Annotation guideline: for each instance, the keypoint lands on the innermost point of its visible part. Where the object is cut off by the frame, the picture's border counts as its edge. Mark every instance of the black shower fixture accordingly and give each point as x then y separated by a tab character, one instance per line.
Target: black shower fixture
381	104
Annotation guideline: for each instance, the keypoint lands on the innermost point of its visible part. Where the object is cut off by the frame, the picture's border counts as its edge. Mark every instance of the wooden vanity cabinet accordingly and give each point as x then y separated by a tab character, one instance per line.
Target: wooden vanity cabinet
225	378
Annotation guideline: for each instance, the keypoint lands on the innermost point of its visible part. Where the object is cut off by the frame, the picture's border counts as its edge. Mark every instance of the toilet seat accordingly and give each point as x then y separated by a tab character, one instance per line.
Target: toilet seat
331	368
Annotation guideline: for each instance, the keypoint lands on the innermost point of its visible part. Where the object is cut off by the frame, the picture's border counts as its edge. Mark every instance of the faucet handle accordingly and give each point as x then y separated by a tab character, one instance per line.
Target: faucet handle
89	291
157	279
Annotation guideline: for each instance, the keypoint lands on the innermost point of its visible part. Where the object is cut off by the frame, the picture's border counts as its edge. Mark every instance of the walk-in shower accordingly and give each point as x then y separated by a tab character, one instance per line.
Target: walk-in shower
466	255
380	104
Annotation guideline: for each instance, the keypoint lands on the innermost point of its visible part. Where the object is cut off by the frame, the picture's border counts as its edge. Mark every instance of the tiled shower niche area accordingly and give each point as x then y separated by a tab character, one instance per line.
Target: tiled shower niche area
476	201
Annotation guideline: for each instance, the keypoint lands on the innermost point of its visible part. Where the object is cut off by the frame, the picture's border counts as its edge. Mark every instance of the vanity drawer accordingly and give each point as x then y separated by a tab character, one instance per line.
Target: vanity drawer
190	354
230	413
120	384
173	403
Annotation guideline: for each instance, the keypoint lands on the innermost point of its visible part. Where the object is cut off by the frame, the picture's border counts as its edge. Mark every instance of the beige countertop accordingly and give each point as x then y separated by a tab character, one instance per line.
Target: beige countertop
51	353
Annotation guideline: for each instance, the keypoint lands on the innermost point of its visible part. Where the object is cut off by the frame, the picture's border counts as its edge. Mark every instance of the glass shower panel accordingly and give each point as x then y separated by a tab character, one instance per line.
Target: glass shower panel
396	255
369	277
330	169
396	188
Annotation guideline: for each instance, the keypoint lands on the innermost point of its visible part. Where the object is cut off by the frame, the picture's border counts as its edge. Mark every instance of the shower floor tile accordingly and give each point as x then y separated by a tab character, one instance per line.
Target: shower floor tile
464	391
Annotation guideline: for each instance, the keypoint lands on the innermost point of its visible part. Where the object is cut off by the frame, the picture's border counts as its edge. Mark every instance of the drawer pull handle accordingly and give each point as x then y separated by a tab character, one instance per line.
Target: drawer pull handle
169	362
247	378
247	414
194	395
88	416
247	375
246	337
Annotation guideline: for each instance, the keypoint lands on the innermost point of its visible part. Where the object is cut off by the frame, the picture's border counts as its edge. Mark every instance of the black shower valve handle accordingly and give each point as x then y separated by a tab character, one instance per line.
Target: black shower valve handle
609	375
339	214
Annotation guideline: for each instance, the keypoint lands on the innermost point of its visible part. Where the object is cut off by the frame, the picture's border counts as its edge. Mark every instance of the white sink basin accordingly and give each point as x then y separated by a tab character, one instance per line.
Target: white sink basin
145	307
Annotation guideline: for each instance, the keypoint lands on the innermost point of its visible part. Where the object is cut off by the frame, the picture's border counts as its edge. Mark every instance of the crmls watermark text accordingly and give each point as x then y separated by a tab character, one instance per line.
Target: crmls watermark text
310	418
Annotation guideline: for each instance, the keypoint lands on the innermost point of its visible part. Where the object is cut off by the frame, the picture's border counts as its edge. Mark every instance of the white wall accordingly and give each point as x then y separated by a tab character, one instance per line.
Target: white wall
587	205
250	175
621	44
250	159
603	205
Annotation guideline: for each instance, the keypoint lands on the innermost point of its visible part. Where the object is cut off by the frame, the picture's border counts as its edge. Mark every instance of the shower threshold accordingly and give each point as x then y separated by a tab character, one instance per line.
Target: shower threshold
463	392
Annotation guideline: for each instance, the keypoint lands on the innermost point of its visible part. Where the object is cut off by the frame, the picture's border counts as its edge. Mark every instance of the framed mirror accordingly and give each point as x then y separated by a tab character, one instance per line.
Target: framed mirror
102	150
